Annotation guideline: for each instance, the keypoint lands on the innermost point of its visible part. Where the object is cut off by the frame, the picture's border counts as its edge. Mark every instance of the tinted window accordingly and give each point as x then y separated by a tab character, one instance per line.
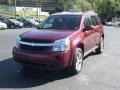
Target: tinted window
14	21
66	22
87	21
94	20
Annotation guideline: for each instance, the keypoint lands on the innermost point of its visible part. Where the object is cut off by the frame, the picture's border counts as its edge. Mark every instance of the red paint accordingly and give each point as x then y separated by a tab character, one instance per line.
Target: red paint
62	59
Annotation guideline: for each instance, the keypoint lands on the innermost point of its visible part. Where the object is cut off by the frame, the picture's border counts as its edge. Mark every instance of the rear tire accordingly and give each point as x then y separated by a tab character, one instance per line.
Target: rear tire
77	61
100	49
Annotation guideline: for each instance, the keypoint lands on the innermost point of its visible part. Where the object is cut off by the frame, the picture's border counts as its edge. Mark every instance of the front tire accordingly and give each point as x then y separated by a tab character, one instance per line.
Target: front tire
12	26
77	61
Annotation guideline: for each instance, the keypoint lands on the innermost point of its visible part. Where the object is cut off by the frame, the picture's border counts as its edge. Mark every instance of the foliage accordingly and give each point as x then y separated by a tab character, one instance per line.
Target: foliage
77	5
85	5
107	8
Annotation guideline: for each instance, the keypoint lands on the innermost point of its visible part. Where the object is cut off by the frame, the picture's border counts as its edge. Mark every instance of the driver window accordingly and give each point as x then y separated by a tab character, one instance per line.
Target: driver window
87	22
49	24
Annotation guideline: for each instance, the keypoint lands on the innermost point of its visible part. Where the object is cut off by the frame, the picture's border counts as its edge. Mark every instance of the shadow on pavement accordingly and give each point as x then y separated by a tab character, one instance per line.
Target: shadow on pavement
12	77
90	54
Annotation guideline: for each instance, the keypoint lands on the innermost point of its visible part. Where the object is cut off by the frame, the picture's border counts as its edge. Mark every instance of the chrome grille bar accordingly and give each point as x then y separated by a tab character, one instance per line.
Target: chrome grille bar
36	44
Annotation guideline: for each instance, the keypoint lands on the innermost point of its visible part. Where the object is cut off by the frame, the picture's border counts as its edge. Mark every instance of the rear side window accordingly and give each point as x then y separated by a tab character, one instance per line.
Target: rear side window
87	21
99	20
94	20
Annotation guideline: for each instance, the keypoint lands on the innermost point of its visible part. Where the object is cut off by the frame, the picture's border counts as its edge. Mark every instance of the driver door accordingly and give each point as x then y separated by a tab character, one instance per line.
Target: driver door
89	35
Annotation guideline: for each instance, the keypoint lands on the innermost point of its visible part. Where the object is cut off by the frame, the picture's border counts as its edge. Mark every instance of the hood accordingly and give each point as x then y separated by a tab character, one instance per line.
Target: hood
47	35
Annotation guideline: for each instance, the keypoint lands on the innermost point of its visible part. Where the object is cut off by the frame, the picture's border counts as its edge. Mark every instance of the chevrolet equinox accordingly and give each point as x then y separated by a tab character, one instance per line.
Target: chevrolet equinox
61	41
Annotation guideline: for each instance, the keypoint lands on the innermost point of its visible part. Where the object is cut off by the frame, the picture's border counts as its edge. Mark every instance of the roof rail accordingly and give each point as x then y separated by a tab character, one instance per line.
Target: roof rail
67	12
90	12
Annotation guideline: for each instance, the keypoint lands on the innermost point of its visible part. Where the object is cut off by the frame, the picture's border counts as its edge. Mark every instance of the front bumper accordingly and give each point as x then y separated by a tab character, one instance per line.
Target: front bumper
49	61
3	27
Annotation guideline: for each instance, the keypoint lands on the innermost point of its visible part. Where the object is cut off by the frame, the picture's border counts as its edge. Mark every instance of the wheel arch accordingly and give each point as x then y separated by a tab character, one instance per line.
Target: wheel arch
103	36
80	45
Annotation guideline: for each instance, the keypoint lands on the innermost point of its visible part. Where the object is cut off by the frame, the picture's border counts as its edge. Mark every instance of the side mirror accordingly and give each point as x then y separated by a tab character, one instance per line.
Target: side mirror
87	28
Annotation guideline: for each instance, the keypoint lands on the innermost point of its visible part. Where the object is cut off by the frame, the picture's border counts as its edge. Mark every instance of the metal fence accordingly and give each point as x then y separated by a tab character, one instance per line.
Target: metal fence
29	7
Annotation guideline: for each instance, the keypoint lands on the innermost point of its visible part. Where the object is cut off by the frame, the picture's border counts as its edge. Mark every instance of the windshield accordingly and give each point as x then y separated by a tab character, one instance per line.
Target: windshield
66	22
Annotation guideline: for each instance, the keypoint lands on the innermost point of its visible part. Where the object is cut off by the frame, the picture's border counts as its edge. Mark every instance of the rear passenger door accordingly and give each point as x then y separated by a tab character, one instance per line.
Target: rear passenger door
97	28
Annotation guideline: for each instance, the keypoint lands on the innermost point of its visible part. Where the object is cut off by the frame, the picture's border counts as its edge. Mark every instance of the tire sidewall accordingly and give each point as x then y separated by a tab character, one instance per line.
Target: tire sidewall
101	48
74	70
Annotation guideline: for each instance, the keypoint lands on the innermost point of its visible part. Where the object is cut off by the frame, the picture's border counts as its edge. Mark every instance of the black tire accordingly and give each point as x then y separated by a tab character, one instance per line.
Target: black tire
20	27
3	29
100	49
77	61
12	26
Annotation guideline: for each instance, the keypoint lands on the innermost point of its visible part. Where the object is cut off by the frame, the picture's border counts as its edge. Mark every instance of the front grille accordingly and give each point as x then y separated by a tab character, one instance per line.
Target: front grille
35	40
36	48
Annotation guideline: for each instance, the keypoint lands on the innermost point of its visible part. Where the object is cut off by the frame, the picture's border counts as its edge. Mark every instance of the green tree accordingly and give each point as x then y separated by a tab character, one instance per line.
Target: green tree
78	5
107	8
116	5
85	5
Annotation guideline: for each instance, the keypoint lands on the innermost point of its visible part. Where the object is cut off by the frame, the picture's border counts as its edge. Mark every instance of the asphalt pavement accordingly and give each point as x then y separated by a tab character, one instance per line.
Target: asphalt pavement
100	72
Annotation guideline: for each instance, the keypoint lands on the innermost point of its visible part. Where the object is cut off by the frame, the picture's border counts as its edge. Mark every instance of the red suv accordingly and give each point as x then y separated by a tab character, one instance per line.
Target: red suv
61	41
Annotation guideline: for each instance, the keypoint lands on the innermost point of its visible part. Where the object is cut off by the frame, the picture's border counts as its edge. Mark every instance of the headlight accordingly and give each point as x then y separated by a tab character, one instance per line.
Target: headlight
18	41
61	45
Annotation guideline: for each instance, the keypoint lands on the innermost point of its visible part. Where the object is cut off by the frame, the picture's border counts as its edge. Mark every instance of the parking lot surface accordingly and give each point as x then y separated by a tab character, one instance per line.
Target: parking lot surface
100	72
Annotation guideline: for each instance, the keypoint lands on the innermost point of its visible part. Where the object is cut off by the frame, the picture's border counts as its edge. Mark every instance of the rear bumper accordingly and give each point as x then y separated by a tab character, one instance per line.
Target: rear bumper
49	61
